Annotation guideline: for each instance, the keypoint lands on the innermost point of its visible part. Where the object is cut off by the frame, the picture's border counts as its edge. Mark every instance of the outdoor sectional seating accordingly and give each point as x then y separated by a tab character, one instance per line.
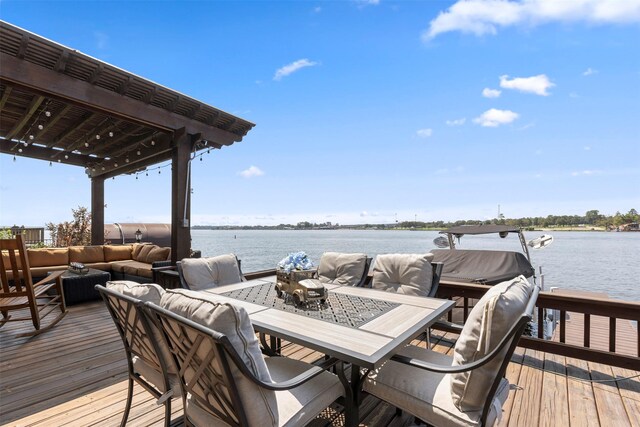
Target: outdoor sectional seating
124	262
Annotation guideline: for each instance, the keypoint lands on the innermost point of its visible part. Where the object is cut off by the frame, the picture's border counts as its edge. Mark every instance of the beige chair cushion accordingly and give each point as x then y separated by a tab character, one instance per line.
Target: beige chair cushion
425	394
117	252
489	321
408	274
296	407
232	321
86	254
341	269
204	273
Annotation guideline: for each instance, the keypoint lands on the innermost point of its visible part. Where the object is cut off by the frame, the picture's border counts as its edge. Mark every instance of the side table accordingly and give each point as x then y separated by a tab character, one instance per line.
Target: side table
168	279
79	288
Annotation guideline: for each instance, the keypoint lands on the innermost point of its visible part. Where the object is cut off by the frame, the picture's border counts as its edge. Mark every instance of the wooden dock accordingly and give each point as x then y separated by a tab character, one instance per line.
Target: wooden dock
75	375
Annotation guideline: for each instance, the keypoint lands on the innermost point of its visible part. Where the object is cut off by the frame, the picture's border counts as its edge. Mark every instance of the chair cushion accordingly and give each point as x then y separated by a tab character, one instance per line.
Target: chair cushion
154	376
341	268
489	321
148	292
296	407
425	394
408	274
204	273
117	252
232	321
86	254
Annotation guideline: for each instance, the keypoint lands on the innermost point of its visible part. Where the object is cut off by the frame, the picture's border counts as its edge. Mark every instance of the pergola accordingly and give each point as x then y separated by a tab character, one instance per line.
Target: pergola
60	105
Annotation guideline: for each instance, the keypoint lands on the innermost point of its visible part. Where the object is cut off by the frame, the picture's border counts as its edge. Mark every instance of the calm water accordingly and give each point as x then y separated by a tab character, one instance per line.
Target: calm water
593	261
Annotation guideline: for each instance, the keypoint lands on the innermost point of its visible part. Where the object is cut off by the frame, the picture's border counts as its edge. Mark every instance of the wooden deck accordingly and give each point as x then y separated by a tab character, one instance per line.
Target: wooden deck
75	375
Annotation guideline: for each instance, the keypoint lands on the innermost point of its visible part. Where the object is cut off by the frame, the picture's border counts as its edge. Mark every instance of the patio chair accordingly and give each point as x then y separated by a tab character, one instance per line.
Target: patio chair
149	361
469	388
18	292
225	378
410	274
198	274
343	268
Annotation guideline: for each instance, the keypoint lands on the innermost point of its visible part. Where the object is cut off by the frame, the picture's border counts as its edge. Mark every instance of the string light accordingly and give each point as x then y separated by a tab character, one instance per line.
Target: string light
47	113
110	134
126	160
14	157
66	156
86	144
40	127
138	152
32	137
19	150
153	142
50	164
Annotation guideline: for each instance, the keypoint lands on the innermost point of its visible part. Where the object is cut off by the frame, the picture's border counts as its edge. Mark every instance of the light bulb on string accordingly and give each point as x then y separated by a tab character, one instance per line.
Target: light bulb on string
126	160
138	152
103	168
31	137
19	150
24	143
50	164
58	160
47	113
116	165
97	136
110	134
14	157
40	127
86	144
146	174
159	171
153	142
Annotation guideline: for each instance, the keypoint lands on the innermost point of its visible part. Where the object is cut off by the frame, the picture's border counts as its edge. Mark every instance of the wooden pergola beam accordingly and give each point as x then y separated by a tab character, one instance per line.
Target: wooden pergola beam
33	107
43	80
42	153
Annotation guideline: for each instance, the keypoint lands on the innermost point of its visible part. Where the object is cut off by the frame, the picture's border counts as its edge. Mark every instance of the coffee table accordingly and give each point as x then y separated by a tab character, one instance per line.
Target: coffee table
79	288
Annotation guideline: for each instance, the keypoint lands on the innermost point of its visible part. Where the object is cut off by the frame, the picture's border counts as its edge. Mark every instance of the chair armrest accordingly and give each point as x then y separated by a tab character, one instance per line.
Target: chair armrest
447	326
468	366
296	381
50	278
162	265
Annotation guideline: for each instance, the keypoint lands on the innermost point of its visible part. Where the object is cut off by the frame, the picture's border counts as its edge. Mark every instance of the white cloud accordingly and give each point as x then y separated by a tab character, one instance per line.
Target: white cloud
368	2
589	72
317	9
587	148
293	67
481	17
456	122
491	93
585	173
494	118
364	214
102	39
253	171
534	84
424	133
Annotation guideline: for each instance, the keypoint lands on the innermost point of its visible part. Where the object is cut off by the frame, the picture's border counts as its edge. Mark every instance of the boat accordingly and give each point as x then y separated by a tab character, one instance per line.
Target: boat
487	267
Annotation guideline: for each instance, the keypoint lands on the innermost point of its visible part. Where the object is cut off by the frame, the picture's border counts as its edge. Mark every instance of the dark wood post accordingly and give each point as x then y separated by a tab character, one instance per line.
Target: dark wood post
97	211
180	196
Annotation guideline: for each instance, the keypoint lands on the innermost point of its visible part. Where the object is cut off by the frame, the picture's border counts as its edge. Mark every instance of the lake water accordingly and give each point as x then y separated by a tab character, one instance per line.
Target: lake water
592	261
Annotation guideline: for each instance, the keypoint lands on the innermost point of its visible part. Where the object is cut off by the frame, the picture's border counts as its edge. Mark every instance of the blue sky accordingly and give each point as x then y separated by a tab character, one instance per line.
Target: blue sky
366	111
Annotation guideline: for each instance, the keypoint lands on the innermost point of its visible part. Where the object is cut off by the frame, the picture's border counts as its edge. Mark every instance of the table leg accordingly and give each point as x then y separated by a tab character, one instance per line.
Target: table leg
352	392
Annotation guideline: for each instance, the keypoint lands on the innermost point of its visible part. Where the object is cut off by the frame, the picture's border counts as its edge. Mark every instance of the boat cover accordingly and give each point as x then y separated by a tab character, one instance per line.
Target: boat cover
480	266
481	229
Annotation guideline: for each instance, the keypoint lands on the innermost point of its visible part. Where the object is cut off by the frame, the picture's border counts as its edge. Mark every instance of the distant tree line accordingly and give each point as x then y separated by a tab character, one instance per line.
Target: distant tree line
590	218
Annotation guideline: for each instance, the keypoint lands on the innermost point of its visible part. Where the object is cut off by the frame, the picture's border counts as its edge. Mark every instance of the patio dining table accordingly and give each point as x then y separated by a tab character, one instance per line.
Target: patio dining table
358	326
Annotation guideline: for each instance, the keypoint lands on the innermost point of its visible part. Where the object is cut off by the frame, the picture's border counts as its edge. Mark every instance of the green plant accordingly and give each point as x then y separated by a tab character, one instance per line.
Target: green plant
74	233
6	233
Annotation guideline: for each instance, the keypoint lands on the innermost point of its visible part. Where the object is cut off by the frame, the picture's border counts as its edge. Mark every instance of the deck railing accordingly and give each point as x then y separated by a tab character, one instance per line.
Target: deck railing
614	310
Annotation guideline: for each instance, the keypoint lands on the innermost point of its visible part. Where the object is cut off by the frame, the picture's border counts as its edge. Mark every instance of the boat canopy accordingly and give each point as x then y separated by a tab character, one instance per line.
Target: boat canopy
481	229
481	266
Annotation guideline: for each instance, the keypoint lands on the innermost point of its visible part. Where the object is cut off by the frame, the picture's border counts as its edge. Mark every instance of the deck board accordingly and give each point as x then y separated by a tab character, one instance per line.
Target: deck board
75	375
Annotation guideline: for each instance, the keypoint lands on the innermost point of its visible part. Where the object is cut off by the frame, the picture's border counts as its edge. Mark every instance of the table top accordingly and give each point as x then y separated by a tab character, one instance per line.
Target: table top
358	325
91	272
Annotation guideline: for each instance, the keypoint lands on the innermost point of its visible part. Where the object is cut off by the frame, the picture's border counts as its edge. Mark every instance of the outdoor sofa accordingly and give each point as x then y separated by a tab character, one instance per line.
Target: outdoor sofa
124	262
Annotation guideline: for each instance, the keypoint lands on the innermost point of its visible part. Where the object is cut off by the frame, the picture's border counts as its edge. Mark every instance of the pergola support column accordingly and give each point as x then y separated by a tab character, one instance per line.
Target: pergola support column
97	211
181	196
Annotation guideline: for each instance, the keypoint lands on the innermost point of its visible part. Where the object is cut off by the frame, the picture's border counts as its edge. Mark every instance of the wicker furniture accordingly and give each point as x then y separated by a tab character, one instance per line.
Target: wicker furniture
357	325
41	298
79	288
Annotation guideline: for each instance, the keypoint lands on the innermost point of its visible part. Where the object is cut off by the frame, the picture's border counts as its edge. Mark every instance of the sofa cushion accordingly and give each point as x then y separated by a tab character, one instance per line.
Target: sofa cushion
104	266
158	254
203	273
136	249
134	268
232	321
119	266
408	274
44	257
342	268
86	254
144	252
489	321
117	252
